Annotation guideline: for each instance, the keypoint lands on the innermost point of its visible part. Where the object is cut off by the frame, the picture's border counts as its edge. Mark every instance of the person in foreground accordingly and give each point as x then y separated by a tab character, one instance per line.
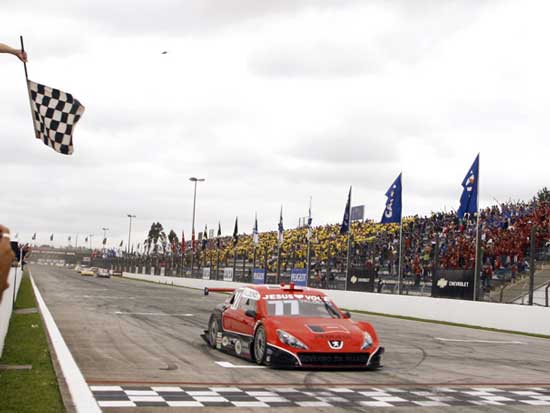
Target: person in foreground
6	258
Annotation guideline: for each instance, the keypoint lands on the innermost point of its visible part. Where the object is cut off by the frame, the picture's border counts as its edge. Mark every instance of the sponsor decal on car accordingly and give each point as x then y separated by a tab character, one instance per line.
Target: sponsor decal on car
304	297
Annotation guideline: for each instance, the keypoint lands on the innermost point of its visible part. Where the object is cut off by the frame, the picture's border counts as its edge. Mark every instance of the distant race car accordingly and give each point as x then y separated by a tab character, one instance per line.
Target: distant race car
103	273
90	272
286	326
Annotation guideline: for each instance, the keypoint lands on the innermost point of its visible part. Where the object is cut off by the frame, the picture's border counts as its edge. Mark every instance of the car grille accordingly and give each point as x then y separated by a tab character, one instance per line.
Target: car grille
333	358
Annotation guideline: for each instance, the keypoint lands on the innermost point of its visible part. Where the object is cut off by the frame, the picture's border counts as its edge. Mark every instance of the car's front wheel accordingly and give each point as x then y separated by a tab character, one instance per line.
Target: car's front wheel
213	330
260	345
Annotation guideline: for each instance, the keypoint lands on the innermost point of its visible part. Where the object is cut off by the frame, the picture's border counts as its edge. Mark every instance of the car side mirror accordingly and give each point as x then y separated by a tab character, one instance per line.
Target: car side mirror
347	314
250	313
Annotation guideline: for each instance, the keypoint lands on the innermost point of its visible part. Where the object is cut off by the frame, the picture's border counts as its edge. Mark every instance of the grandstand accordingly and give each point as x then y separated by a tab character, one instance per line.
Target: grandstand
440	241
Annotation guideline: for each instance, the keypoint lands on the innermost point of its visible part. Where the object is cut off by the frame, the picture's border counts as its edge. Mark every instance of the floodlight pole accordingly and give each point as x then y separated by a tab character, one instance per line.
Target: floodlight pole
195	180
129	232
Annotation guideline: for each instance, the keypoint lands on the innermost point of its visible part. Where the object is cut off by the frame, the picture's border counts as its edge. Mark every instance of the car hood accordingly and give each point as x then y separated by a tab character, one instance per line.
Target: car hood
317	332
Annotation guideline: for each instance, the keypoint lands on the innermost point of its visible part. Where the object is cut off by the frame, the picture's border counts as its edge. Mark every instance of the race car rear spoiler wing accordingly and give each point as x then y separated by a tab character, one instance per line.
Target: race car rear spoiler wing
218	290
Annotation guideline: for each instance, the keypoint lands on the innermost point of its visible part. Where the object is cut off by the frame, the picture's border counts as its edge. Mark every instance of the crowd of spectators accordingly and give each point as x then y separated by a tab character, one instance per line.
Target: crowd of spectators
505	240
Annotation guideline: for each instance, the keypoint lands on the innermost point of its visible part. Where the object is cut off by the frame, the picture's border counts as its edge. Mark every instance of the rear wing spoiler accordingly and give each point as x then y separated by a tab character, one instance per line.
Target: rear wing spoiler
218	290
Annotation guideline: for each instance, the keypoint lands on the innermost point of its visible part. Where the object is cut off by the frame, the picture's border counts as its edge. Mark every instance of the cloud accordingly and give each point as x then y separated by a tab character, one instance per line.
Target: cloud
378	37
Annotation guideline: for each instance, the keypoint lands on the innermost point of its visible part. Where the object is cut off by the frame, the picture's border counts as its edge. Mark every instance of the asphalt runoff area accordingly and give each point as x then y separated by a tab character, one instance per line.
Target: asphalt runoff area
130	337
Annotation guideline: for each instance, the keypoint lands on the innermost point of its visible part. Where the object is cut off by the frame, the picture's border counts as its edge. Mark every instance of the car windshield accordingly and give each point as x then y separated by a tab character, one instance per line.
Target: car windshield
301	308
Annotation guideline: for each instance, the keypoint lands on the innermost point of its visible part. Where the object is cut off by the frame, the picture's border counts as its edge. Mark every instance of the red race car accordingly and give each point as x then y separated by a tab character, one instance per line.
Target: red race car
294	327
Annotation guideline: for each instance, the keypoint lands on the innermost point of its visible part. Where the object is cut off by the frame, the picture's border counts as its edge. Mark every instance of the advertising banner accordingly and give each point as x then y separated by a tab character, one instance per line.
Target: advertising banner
298	276
361	279
152	271
162	271
228	274
358	213
453	284
143	269
258	276
206	273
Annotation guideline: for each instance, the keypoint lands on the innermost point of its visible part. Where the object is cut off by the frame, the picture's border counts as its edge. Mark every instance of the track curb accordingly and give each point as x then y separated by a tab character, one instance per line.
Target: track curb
82	397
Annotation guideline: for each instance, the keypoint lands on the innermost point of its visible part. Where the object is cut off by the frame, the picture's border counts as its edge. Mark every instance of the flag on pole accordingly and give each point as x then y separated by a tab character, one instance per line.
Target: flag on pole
121	243
105	241
236	232
255	234
55	114
205	238
280	228
309	220
468	199
86	239
218	239
193	239
34	236
392	213
51	237
69	238
344	229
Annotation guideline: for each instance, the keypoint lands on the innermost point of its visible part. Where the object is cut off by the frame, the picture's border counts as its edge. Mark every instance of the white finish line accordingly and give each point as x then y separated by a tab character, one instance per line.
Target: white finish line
81	395
478	341
229	365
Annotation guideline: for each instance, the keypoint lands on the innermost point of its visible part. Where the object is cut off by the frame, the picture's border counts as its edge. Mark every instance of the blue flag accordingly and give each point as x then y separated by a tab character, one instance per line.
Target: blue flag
468	200
236	232
255	234
345	221
280	228
392	213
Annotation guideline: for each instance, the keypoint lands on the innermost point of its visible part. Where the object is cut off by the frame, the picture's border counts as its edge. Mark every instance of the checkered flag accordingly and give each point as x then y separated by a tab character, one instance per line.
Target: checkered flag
55	114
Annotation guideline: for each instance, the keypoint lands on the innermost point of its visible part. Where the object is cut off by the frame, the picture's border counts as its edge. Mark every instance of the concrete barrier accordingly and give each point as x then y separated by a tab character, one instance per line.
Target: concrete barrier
7	304
526	319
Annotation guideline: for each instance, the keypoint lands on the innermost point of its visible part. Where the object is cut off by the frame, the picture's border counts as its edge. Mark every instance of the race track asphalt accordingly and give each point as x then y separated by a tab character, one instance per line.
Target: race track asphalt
130	333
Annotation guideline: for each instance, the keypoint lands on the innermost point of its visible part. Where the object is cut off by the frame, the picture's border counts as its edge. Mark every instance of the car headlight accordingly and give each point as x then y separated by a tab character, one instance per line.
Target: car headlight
367	341
290	340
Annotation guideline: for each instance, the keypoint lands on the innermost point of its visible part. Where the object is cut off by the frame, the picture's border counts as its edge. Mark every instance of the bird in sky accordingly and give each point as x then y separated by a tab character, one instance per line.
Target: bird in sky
165	52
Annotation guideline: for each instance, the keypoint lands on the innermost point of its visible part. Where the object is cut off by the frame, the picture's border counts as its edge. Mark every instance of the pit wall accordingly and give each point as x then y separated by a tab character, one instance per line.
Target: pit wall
526	319
7	304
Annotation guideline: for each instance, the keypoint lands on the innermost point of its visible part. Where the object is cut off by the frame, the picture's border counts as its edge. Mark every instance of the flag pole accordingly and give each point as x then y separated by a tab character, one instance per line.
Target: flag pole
308	259
27	85
279	235
400	262
278	261
349	243
24	63
478	236
254	236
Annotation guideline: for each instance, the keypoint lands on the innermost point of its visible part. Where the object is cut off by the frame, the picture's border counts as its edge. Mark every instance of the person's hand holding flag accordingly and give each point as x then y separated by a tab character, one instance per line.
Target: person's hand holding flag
21	54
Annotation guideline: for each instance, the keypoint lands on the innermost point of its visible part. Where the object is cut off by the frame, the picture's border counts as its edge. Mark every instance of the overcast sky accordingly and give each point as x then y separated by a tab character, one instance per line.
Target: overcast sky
272	102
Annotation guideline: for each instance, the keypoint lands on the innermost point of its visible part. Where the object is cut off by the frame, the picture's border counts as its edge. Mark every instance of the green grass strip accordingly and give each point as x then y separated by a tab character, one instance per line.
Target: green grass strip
25	297
36	390
446	323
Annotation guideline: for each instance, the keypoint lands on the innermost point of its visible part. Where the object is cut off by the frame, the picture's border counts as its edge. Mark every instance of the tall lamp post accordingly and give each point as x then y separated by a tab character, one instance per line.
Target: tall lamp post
195	180
129	233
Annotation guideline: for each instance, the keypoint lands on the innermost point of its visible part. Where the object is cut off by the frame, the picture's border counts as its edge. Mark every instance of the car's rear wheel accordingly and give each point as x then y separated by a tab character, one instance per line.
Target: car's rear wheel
213	330
260	345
